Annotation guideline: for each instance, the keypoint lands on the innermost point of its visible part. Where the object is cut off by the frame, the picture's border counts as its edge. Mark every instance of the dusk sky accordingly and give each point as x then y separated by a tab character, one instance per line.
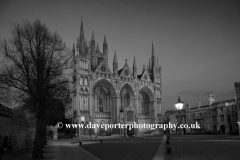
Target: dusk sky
197	42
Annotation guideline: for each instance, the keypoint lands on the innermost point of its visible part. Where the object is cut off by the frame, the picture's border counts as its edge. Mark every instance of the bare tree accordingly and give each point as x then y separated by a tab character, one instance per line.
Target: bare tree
34	63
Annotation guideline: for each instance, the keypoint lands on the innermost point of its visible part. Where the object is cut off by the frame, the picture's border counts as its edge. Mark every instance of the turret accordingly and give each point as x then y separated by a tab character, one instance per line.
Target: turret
199	103
211	99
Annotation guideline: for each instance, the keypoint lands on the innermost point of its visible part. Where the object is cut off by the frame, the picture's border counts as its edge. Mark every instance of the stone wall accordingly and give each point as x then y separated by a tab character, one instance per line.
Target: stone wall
14	133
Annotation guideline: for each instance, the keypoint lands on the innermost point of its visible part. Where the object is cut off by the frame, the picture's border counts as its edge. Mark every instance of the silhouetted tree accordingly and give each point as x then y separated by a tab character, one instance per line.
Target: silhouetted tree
34	63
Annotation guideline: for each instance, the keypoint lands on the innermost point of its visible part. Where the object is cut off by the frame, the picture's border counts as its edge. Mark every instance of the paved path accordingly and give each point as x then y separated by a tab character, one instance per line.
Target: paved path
204	147
58	150
160	154
132	148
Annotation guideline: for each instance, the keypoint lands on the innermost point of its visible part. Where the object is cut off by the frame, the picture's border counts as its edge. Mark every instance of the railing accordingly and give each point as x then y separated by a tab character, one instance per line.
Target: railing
102	115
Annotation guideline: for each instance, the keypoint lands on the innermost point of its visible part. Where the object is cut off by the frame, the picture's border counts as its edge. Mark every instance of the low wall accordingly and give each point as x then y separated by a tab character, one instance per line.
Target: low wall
14	133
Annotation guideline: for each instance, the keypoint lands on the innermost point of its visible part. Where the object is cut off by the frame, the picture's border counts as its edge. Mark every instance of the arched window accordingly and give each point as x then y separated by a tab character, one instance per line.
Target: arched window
101	103
144	103
125	99
102	100
85	81
81	81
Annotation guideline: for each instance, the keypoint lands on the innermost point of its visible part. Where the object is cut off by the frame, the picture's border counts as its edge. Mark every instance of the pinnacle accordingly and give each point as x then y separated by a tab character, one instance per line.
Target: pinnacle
93	38
105	40
97	48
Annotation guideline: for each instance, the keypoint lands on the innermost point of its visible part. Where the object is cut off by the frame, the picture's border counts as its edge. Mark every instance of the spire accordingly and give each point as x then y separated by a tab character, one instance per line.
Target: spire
93	38
149	64
73	51
77	45
153	59
134	68
105	46
81	38
153	54
134	63
93	43
115	64
144	68
97	50
115	58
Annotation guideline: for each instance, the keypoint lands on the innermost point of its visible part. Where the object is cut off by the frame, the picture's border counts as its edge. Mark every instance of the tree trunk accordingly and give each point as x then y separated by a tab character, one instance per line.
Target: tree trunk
37	152
44	134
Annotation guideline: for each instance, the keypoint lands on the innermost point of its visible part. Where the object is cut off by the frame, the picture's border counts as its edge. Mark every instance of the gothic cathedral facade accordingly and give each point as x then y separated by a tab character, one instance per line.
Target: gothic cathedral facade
103	96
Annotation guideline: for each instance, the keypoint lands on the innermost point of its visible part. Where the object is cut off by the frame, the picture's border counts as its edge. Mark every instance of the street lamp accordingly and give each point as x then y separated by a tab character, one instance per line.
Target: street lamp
82	121
179	106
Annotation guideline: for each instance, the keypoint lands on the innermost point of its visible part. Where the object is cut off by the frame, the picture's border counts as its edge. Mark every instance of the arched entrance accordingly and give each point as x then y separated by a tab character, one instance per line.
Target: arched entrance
145	99
127	97
144	103
222	129
130	132
104	104
127	109
102	130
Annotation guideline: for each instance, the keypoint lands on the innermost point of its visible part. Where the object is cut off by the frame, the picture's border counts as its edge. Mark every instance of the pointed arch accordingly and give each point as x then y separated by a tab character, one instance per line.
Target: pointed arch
106	84
126	95
145	96
103	91
129	88
148	92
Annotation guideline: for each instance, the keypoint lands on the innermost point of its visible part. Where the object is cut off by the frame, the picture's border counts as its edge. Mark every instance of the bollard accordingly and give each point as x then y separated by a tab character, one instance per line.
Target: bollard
80	143
101	140
168	150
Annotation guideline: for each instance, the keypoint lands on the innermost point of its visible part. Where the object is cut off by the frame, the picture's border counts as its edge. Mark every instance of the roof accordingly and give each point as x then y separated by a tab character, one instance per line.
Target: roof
204	106
139	76
119	71
216	103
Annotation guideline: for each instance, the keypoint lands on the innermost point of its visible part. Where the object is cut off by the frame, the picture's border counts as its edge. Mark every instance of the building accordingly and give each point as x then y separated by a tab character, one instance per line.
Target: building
104	96
237	98
217	117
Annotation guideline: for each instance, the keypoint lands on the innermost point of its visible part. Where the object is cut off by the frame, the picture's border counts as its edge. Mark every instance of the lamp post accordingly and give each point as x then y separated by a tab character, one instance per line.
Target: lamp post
82	121
179	106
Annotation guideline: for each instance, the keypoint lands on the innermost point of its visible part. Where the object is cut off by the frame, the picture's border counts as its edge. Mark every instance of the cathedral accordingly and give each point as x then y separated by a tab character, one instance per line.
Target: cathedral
100	95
